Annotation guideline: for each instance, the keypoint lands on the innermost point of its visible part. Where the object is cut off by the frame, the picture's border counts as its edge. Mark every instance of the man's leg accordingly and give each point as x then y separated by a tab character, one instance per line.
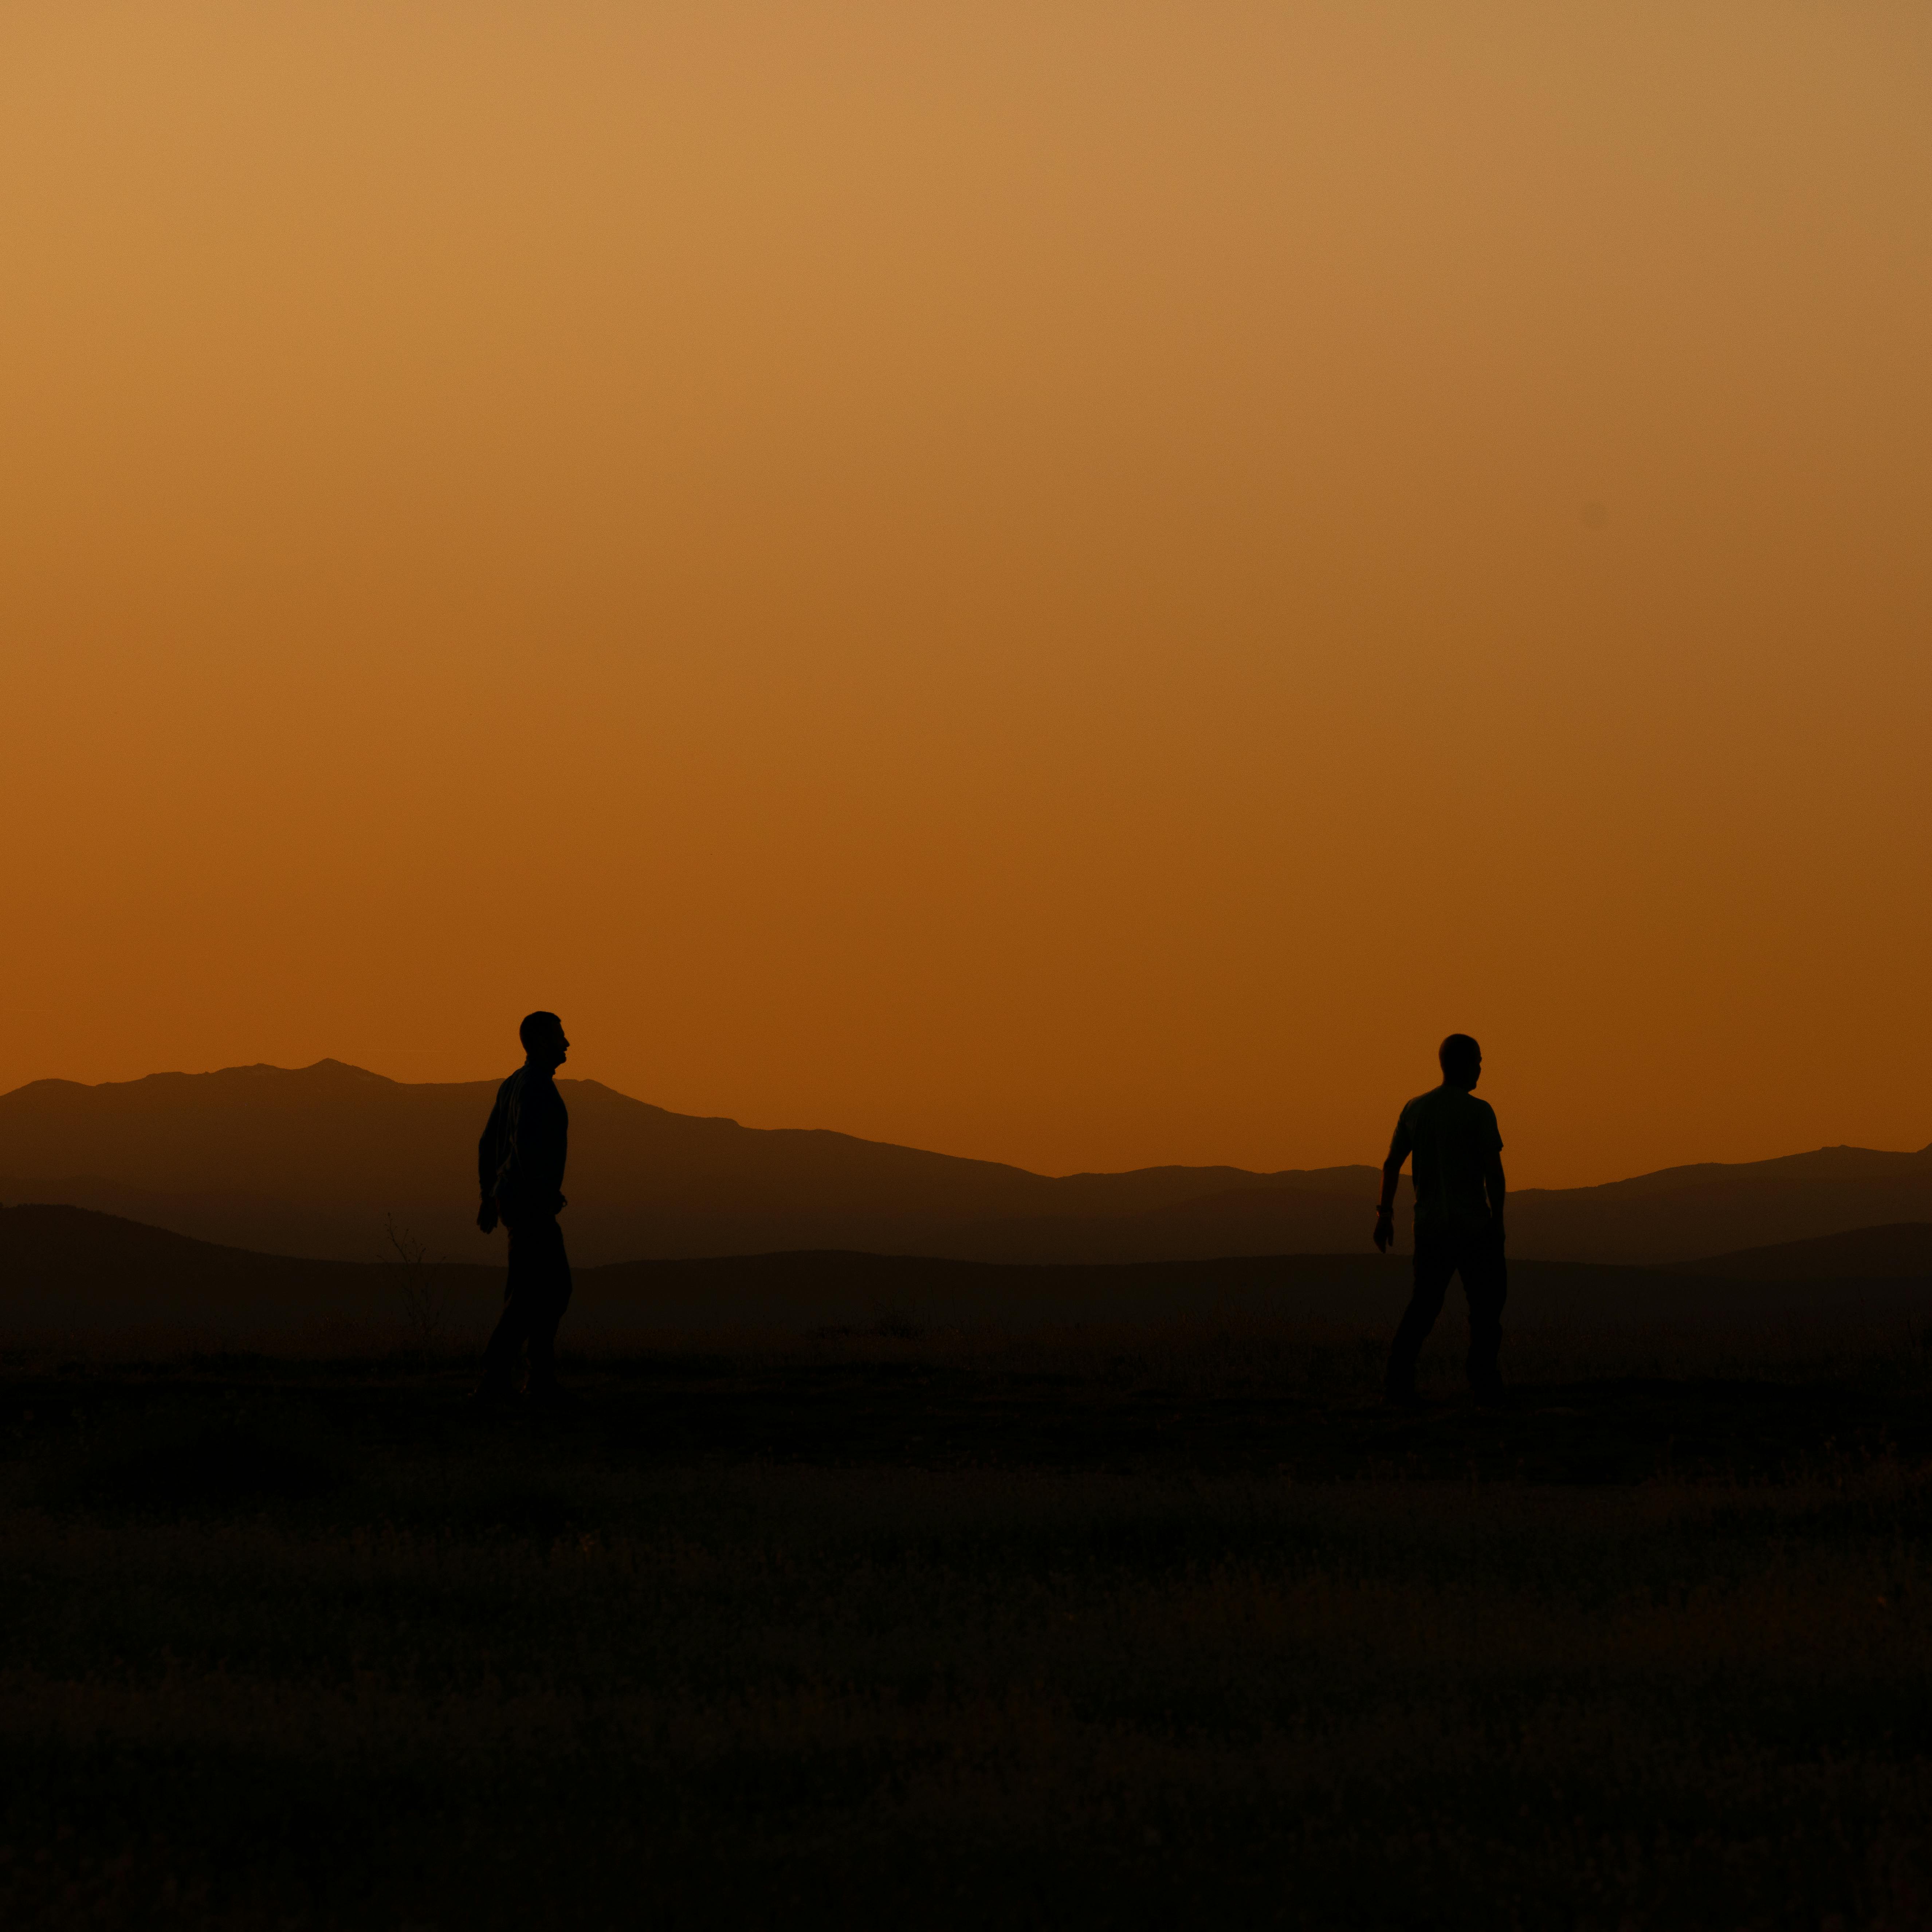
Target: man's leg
503	1361
1433	1266
550	1297
502	1357
1486	1282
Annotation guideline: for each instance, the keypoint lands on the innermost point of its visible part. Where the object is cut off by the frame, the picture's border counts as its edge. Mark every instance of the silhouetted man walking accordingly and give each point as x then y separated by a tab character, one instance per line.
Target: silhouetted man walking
1458	1218
520	1171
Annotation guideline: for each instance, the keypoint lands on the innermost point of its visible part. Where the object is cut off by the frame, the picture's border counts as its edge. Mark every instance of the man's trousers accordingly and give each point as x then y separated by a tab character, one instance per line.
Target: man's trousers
534	1297
1476	1255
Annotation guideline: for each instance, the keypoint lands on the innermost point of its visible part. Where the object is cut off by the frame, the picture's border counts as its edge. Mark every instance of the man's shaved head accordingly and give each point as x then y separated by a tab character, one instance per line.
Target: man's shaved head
537	1028
1462	1059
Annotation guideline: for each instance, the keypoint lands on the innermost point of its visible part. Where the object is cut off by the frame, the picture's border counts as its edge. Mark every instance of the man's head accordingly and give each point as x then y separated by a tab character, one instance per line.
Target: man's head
1462	1060
544	1043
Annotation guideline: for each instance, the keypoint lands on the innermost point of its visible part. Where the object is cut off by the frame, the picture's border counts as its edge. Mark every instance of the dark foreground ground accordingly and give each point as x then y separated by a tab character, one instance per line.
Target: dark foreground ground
1149	1627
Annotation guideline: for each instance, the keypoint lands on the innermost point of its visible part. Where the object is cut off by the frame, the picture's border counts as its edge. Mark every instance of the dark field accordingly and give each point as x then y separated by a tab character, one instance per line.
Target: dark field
1143	1627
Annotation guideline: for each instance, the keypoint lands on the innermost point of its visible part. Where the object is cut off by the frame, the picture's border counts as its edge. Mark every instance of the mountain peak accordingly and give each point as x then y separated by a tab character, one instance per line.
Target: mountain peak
338	1070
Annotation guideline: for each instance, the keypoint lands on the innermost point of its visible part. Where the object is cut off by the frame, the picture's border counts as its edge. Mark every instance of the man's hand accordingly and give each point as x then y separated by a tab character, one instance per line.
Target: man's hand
1384	1229
486	1217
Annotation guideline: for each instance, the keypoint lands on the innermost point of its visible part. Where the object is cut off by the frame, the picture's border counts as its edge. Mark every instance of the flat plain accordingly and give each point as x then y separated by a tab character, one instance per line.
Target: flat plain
1148	1625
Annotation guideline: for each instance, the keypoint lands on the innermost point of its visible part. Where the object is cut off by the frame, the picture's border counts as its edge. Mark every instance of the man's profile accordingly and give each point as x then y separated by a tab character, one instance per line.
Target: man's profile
519	1173
1458	1218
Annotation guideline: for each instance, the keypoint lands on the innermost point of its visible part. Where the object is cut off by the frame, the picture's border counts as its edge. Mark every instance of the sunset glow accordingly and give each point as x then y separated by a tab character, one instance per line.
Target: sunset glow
1075	585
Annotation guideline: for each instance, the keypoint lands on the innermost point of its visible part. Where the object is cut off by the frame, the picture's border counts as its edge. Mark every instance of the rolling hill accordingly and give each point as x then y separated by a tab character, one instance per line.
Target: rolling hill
70	1270
314	1162
1901	1251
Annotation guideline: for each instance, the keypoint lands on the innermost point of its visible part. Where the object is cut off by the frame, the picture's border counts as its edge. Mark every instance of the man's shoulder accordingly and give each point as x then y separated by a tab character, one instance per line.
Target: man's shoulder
1454	1101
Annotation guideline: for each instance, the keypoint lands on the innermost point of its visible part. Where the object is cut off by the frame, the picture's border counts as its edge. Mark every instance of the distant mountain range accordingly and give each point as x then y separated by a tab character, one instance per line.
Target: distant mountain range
318	1161
70	1270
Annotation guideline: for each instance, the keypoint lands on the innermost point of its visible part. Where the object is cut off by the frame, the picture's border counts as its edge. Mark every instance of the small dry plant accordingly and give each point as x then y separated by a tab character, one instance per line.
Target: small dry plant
424	1301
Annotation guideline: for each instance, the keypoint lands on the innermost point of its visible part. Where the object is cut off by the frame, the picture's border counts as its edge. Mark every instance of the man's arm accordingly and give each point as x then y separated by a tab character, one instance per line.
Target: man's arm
1493	1179
1398	1152
486	1171
1385	1214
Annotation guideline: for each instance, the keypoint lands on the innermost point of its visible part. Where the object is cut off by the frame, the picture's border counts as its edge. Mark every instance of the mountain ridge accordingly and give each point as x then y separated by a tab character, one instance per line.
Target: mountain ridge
316	1161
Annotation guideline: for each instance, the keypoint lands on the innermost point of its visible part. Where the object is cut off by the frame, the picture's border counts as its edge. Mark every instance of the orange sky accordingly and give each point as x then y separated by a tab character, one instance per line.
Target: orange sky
1070	583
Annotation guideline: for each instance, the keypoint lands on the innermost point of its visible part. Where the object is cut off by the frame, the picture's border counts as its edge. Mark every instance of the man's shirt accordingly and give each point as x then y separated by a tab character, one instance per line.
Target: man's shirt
519	1159
1453	1137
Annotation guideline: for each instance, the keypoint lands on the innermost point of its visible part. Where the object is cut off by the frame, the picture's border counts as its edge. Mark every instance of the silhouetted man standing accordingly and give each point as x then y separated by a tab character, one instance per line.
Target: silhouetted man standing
520	1171
1458	1218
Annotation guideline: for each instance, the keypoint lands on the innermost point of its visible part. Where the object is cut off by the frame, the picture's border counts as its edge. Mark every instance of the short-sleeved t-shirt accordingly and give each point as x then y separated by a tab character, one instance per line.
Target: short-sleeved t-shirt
1453	1136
